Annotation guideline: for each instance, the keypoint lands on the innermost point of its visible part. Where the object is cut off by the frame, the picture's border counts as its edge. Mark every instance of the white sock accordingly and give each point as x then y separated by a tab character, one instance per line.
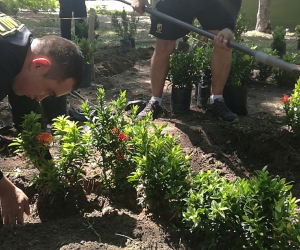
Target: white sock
158	99
212	98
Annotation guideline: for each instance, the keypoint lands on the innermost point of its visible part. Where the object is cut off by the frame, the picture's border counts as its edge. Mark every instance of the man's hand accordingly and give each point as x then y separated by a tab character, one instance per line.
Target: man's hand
138	5
222	38
13	202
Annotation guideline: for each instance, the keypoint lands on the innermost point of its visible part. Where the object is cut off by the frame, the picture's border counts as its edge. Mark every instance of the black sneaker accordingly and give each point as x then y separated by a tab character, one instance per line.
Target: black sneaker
152	107
220	110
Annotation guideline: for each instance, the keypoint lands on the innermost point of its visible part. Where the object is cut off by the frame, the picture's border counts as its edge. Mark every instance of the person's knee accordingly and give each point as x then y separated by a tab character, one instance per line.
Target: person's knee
164	47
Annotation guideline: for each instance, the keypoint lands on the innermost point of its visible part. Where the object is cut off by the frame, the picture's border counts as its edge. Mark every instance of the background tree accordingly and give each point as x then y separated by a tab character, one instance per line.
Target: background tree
34	5
263	16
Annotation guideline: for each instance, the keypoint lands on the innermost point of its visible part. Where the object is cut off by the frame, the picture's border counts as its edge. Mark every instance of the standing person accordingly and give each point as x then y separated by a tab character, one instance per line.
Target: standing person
216	16
31	70
67	9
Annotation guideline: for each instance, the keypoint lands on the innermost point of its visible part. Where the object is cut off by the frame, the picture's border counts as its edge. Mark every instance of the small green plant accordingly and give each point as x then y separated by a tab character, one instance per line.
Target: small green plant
124	26
64	170
278	42
264	70
242	25
34	6
83	27
110	140
9	7
241	69
258	213
87	49
162	171
292	109
282	77
184	69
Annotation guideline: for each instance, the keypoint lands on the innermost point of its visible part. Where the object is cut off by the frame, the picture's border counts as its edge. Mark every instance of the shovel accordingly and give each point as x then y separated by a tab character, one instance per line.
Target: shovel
257	55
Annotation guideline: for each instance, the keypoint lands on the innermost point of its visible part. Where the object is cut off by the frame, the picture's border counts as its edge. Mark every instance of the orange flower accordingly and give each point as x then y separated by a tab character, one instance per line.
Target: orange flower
115	131
285	98
123	137
45	139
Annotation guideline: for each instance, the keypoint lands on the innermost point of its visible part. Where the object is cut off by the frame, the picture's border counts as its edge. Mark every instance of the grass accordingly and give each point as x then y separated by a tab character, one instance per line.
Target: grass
48	23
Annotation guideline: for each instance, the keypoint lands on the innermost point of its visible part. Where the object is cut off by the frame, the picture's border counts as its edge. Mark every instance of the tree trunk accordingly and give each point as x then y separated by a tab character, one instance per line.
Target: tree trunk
263	16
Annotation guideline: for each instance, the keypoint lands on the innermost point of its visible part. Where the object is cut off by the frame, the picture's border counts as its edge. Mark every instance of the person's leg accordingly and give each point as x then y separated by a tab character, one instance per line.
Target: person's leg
160	65
65	11
158	72
211	20
220	68
166	34
80	12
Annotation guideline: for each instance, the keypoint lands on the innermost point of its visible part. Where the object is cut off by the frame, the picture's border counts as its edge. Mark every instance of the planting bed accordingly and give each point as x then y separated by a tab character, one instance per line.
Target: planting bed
112	221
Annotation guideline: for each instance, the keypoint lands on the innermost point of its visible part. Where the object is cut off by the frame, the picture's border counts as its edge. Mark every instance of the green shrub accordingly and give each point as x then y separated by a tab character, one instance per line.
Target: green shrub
278	42
184	69
241	68
282	77
72	146
253	214
110	141
162	169
8	7
242	26
264	70
124	26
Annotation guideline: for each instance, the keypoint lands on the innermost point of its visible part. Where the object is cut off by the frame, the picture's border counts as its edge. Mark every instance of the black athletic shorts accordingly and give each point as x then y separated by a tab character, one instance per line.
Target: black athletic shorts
211	14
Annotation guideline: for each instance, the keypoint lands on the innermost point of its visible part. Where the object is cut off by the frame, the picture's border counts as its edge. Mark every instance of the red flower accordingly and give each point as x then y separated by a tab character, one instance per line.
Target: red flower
45	139
123	137
285	98
86	49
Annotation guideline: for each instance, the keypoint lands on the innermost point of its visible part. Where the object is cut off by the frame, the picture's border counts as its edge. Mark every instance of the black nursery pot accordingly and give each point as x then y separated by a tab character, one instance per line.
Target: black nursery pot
281	52
87	76
127	44
181	100
236	98
298	45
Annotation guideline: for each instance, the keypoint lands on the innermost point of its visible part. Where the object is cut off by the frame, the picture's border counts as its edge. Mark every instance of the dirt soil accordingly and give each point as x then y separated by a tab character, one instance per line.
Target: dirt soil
258	140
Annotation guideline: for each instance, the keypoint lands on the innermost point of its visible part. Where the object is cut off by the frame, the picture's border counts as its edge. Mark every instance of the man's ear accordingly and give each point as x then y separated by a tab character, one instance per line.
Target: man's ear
40	64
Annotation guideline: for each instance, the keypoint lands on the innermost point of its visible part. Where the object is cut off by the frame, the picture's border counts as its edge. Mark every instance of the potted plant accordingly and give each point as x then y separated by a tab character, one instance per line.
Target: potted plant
279	43
236	89
297	34
88	50
184	72
125	28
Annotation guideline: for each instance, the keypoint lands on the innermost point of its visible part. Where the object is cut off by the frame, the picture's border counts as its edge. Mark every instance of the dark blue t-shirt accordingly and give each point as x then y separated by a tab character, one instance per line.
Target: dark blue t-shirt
14	43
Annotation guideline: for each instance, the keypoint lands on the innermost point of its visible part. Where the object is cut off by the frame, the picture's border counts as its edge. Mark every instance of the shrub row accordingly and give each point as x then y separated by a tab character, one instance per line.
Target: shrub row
256	213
